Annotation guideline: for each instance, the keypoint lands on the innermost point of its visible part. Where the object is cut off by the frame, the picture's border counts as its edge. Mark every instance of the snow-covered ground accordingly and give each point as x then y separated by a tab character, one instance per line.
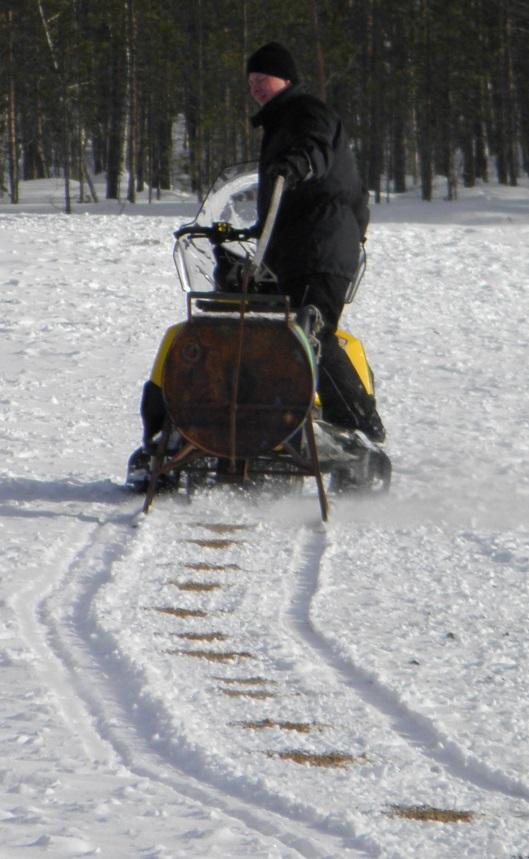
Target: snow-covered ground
230	678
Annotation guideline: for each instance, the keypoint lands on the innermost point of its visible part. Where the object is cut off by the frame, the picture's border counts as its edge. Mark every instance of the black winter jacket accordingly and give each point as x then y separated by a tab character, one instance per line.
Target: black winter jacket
322	219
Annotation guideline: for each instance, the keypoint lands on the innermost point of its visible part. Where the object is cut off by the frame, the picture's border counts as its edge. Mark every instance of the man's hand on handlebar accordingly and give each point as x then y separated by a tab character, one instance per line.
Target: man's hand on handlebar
224	232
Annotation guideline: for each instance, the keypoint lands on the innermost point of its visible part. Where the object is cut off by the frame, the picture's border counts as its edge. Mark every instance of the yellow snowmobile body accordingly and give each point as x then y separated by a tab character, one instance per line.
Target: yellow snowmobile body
354	349
356	353
163	349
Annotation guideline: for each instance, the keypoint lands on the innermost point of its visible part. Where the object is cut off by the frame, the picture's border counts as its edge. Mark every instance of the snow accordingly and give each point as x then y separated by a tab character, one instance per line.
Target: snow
230	678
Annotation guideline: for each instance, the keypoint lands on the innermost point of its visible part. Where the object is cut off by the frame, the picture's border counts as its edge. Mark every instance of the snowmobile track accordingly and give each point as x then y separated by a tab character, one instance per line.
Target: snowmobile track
412	727
117	717
115	721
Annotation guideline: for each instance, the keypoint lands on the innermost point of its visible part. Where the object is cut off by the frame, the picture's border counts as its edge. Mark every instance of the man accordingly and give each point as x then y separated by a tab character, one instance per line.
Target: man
322	219
314	247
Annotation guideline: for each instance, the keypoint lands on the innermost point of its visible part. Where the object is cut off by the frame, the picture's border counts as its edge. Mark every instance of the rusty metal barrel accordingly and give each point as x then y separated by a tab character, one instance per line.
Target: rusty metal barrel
235	390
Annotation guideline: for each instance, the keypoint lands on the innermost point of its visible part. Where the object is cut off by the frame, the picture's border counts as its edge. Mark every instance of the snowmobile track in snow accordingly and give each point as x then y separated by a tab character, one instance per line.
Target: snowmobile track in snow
412	727
115	721
119	719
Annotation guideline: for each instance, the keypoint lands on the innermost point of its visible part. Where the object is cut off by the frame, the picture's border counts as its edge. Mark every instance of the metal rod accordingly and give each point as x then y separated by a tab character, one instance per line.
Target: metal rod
324	504
251	268
157	464
266	232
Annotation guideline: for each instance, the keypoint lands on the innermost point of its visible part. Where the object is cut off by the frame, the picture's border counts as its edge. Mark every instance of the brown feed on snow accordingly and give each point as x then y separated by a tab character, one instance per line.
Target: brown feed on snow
428	813
213	655
203	567
181	612
258	694
200	636
328	759
298	727
197	586
215	544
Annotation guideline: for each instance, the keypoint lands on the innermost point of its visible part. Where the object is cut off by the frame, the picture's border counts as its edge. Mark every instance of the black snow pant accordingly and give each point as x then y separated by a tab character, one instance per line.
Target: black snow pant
152	410
344	398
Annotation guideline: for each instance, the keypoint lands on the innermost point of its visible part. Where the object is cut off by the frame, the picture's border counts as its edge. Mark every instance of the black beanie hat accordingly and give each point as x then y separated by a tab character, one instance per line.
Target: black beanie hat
273	59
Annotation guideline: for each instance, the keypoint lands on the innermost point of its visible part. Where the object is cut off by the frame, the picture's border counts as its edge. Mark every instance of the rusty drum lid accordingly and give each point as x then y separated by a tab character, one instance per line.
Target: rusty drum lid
242	413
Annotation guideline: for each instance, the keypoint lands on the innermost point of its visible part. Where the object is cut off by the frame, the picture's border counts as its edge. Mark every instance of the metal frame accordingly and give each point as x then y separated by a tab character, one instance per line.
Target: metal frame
297	464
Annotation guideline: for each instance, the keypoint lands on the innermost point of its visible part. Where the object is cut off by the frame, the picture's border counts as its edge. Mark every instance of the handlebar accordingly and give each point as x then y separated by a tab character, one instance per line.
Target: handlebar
217	233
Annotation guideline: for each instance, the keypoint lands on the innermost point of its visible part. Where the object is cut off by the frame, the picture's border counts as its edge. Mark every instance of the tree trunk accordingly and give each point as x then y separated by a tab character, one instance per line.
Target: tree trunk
246	137
114	159
130	49
195	103
509	97
469	157
398	155
318	52
64	111
376	125
12	113
424	105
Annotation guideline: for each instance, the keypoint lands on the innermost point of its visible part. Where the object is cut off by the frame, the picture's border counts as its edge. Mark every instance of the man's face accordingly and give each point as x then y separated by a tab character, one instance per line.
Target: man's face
265	87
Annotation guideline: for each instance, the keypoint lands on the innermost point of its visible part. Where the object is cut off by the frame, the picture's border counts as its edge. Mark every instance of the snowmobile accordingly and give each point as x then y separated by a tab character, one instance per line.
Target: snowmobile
238	377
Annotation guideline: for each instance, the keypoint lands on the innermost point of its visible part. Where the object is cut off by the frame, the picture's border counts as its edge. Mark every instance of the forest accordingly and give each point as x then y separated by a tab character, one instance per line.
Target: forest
153	94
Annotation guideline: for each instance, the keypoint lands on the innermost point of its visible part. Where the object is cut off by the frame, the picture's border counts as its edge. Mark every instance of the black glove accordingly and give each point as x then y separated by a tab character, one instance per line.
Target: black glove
222	231
294	168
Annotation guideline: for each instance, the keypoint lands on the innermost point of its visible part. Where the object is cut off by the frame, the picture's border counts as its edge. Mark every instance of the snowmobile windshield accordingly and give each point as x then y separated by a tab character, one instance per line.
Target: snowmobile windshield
231	199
